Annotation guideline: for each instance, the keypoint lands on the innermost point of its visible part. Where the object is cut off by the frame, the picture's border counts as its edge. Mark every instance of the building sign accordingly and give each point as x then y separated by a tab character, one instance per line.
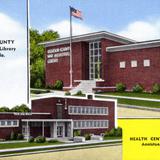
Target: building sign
54	54
22	114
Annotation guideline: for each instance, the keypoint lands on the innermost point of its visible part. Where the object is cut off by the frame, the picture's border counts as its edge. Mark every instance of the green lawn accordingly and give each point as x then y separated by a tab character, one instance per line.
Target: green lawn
139	103
25	144
135	102
131	94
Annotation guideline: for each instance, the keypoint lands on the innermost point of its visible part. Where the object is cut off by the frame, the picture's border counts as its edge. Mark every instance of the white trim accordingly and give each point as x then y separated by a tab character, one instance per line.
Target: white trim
89	37
140	45
98	114
74	97
9	126
46	120
24	113
91	120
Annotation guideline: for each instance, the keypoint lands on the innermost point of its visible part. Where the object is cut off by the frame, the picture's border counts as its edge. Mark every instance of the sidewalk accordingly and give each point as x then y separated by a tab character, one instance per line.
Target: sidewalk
59	146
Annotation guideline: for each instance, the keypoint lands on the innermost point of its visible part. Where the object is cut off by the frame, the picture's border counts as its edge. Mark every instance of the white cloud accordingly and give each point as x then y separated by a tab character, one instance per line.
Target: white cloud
142	30
13	65
11	29
63	28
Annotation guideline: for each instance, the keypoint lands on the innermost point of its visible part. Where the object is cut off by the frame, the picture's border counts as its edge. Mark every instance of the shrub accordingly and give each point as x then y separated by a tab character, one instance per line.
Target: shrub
76	133
137	88
13	136
67	93
58	85
106	134
79	93
119	132
20	136
111	132
38	83
53	141
115	132
120	87
49	86
40	139
31	139
87	136
156	88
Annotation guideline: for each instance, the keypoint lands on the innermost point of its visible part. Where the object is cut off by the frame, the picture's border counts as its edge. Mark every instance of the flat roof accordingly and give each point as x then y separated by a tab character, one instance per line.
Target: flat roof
90	37
47	120
138	45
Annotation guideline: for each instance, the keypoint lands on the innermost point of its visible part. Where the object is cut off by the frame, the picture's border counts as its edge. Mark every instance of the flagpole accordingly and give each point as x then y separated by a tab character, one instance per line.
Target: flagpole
71	70
28	54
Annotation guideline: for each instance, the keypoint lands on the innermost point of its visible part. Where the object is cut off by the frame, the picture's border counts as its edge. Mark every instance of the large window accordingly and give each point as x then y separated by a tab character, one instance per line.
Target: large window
87	110
90	124
9	123
95	60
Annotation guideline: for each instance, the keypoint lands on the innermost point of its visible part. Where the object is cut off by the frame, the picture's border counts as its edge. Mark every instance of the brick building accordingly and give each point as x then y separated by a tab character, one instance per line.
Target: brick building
104	57
60	116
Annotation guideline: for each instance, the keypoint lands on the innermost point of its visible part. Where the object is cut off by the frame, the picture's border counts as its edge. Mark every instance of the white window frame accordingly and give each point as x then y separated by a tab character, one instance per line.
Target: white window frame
90	124
146	63
6	124
122	64
134	63
88	110
92	58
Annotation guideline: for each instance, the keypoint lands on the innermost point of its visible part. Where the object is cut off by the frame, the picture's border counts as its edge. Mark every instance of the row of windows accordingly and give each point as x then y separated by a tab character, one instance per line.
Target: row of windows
88	110
89	124
134	63
9	123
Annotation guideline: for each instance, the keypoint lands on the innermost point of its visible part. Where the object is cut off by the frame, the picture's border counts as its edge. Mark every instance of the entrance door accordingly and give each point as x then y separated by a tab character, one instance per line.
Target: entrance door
25	131
59	131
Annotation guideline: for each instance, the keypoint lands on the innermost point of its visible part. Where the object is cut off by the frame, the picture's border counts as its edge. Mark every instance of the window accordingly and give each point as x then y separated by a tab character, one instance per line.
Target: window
146	63
122	64
134	63
9	123
87	110
95	59
90	124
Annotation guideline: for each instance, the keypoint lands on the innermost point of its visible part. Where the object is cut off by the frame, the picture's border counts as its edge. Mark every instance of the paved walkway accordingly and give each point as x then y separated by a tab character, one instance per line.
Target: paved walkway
133	112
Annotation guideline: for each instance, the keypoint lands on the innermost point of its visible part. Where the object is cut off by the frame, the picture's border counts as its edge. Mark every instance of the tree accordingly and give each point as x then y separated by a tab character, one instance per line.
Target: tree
37	56
21	108
4	109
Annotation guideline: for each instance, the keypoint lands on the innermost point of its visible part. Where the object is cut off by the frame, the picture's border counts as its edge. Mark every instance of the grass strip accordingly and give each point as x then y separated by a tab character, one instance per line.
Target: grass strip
62	147
25	144
143	103
131	94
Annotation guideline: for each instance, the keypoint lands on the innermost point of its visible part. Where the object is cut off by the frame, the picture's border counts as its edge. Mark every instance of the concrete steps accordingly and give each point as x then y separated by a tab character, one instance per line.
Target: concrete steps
85	86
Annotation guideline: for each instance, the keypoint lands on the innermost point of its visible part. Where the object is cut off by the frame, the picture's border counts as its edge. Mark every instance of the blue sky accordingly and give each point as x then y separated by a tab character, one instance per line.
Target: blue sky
107	14
112	15
136	19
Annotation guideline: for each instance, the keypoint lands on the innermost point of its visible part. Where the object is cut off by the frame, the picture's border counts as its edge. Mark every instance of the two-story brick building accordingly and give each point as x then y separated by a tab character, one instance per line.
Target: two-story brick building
60	116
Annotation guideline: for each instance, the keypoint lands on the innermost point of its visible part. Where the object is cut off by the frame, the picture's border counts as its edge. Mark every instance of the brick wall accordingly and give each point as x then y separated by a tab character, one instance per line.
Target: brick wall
146	76
49	105
60	70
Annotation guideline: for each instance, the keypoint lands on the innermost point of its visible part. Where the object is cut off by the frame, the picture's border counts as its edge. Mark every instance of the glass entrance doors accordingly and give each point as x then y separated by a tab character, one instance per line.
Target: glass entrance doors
95	60
59	131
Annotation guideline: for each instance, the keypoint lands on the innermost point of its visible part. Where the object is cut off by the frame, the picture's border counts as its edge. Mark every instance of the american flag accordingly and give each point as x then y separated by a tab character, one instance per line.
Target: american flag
76	13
